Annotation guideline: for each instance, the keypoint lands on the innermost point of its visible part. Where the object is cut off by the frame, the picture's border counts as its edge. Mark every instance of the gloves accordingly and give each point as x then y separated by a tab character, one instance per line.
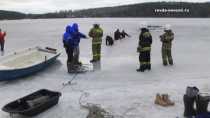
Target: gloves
65	45
138	48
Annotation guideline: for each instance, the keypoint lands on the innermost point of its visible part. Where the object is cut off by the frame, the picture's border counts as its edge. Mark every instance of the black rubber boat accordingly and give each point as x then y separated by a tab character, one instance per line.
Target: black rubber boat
34	103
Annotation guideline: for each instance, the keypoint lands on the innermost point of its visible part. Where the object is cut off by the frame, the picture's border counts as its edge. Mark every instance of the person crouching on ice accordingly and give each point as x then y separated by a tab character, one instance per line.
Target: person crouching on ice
2	40
71	41
123	34
144	49
109	40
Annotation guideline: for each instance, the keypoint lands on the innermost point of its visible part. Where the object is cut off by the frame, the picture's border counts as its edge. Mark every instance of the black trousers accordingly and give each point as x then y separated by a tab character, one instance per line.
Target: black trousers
2	45
144	59
69	52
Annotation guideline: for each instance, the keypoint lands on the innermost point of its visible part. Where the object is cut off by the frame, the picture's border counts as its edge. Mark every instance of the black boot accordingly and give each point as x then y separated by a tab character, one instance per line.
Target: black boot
93	60
149	67
170	61
72	68
165	63
69	67
68	64
141	68
78	63
202	104
189	110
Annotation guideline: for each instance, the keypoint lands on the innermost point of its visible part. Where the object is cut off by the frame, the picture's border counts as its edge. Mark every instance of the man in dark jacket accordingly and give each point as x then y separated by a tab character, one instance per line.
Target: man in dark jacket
144	49
123	34
117	35
109	40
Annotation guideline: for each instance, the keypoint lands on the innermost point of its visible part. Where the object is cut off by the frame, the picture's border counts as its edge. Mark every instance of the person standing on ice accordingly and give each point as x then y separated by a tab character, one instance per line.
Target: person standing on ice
69	49
2	40
71	40
166	40
144	49
96	33
76	36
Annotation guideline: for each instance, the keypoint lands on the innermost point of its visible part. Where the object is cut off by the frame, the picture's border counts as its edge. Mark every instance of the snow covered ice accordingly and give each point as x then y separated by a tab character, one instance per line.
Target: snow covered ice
117	87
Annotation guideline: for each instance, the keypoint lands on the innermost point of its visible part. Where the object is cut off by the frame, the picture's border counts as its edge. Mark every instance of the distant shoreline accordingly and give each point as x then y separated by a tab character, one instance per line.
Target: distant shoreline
142	10
106	18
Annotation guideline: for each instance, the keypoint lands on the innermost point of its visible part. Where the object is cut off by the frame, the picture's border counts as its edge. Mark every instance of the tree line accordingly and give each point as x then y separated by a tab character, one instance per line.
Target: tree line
150	9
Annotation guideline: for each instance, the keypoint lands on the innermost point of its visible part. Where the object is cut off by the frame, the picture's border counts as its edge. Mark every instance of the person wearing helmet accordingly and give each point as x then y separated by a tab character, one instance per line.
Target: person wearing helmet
2	40
144	49
166	40
96	33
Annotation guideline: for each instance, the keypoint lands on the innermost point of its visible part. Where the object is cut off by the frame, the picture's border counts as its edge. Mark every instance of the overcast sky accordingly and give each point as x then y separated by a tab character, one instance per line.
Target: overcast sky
42	6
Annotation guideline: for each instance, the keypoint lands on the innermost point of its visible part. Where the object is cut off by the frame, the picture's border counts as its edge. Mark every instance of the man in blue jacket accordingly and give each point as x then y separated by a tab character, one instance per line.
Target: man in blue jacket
76	36
66	38
71	41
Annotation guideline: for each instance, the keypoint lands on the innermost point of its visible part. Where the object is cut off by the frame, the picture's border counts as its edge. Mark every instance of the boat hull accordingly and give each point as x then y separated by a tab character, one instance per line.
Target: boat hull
22	106
12	74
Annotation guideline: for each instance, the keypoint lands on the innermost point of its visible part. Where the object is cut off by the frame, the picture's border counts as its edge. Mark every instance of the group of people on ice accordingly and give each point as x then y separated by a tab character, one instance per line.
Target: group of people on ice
71	40
72	36
144	48
120	35
117	36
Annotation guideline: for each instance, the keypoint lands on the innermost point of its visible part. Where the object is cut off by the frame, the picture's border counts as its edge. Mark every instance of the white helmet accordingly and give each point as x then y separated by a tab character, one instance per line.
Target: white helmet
143	25
167	27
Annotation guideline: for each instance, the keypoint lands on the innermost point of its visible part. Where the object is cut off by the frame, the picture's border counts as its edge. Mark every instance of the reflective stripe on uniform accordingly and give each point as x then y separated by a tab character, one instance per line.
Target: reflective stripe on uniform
145	49
166	48
146	34
94	43
145	63
98	30
96	55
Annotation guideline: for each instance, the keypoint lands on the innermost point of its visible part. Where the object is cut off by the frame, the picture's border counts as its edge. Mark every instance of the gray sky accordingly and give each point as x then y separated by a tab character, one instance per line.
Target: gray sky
42	6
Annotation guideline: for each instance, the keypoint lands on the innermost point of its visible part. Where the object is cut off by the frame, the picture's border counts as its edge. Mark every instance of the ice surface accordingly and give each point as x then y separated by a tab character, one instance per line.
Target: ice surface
117	87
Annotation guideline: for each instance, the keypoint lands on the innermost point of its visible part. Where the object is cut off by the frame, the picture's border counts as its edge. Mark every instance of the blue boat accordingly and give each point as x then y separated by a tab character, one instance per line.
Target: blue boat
27	62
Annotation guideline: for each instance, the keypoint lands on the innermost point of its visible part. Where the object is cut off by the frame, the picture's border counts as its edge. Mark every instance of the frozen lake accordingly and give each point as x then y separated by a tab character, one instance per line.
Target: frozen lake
117	87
